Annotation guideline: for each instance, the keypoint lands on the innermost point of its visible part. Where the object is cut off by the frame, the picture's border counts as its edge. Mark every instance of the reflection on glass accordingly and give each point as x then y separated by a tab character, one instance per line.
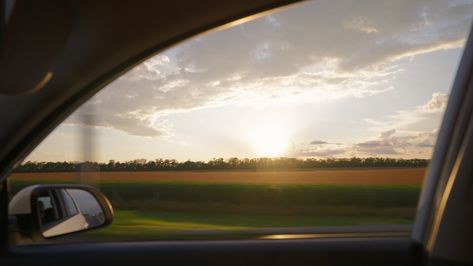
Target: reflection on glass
63	211
88	206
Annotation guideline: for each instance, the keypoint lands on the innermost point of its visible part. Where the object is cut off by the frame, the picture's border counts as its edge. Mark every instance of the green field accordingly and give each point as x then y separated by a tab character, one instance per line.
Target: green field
140	225
202	210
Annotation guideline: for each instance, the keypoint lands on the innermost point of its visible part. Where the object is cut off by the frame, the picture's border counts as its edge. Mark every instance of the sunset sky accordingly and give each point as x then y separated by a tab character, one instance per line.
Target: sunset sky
319	79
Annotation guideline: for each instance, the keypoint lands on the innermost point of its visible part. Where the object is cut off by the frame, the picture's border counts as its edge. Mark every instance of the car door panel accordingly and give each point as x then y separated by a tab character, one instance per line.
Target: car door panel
323	251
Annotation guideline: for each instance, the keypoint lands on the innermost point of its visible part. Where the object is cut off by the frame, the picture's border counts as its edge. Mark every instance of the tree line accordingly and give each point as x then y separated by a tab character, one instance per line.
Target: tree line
220	164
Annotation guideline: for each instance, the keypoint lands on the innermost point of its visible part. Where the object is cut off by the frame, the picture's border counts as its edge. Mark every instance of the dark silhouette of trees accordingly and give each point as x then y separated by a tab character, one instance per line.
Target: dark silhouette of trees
221	164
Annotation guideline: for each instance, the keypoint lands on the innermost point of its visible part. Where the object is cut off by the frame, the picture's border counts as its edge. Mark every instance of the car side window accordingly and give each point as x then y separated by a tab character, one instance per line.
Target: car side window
319	115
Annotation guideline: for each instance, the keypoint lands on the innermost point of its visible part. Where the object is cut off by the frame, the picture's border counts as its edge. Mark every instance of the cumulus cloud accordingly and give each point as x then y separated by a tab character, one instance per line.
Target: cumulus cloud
320	148
437	103
404	142
407	132
388	143
413	119
406	145
348	52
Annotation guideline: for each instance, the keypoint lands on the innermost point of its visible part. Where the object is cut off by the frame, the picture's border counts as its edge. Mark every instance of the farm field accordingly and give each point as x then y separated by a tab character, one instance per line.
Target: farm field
220	204
363	176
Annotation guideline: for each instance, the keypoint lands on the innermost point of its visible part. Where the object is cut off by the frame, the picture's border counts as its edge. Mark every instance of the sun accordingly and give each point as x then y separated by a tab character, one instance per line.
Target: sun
269	141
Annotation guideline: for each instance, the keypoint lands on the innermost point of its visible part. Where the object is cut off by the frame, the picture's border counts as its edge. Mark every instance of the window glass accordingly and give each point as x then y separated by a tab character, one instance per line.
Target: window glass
323	114
48	209
88	206
69	205
45	202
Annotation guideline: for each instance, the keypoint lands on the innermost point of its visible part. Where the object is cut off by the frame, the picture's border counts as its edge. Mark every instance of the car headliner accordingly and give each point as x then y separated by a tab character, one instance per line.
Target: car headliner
107	38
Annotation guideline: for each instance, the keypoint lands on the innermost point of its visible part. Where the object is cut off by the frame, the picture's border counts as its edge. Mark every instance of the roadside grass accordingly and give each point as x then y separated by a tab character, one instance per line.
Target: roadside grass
139	225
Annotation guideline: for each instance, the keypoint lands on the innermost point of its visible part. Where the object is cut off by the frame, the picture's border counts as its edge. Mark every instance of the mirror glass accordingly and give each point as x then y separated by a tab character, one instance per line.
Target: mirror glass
62	211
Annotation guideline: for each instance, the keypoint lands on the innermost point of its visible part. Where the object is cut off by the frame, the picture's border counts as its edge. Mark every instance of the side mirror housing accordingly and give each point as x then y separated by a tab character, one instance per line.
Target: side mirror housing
45	211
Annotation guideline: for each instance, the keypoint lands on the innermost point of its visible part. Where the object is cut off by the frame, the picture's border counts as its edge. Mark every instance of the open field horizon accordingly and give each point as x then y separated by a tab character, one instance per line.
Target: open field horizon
360	176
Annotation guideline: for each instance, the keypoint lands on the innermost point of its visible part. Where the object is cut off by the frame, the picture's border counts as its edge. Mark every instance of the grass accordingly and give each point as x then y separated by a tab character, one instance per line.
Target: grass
138	225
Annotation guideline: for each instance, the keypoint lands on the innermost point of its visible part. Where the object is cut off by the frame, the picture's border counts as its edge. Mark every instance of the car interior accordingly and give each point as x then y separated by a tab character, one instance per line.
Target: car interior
74	48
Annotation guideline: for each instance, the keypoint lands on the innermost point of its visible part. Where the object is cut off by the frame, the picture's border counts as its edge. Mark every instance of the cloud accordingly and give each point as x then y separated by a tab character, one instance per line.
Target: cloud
133	123
388	133
389	143
437	103
321	153
408	145
402	29
320	148
361	24
413	119
407	132
319	142
350	51
385	145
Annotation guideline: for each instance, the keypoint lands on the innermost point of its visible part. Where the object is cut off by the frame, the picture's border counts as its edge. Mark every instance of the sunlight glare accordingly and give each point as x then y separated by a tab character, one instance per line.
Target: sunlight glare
269	141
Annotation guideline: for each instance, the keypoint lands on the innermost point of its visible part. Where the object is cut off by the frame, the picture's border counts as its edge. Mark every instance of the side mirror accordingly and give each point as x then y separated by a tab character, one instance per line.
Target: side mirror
45	211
